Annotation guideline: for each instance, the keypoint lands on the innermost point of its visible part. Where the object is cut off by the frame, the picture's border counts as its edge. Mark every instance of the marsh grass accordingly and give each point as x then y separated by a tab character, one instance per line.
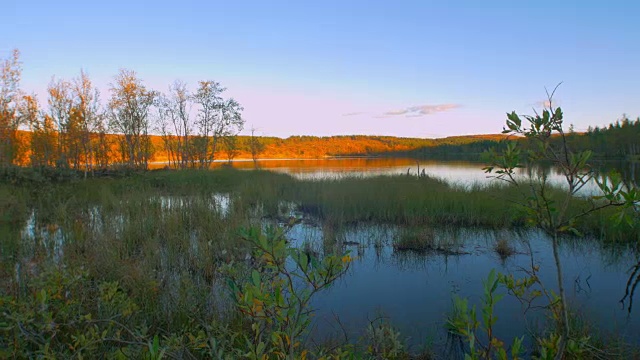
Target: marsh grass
504	249
419	240
398	200
162	246
428	240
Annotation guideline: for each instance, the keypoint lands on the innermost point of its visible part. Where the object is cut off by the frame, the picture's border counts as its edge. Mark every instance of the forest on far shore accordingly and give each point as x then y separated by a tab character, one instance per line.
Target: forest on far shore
620	140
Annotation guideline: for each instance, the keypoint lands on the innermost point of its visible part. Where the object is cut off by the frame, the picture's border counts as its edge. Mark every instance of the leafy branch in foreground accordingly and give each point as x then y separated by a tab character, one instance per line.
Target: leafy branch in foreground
549	210
275	300
464	322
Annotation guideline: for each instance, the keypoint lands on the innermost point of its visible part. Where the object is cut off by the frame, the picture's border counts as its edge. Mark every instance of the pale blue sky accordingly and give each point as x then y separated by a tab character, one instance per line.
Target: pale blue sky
299	67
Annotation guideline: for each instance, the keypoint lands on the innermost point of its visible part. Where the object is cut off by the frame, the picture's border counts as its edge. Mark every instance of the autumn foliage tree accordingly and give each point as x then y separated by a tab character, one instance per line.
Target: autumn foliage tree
9	98
217	118
76	131
60	111
129	109
256	146
43	140
192	141
230	147
176	124
89	119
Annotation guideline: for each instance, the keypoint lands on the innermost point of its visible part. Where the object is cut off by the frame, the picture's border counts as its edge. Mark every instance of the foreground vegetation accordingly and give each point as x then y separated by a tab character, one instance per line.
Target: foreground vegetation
157	263
153	264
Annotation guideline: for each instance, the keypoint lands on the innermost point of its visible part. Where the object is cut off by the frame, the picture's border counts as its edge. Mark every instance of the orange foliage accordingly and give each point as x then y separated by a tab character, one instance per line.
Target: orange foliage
311	147
295	147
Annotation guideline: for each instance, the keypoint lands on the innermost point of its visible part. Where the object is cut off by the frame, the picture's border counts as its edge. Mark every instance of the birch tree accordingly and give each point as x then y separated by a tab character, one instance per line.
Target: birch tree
216	119
256	147
86	102
10	73
230	147
129	109
60	110
176	124
43	132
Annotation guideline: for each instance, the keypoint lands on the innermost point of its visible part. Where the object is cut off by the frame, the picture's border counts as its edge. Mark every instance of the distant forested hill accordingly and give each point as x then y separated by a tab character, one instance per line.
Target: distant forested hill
619	140
356	145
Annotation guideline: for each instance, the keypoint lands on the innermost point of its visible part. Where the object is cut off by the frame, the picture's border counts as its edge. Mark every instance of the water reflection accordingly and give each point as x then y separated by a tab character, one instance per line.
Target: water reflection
456	172
48	237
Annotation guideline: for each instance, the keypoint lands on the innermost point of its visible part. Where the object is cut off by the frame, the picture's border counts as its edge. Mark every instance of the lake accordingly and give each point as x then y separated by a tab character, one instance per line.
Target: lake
414	291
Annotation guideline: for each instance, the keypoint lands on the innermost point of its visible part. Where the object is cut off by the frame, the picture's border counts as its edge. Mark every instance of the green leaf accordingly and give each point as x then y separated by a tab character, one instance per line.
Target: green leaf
255	278
516	347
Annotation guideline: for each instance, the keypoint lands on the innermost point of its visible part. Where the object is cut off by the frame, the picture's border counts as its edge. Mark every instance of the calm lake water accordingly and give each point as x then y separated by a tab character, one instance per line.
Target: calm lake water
462	172
456	172
414	291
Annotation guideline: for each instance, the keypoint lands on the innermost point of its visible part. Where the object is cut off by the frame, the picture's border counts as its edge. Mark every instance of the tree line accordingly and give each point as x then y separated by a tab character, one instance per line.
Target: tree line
619	140
74	129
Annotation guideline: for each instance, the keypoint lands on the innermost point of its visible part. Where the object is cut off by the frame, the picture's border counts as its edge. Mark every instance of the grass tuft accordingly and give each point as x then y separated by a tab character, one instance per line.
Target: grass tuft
504	249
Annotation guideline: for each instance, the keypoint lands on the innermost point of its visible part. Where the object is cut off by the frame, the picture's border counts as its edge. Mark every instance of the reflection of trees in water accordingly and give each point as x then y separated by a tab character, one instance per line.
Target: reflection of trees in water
630	173
632	285
455	347
628	170
612	254
410	260
609	253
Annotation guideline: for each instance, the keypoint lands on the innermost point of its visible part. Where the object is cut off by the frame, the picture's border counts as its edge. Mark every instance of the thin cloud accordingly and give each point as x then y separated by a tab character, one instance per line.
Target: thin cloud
546	104
397	112
353	113
422	110
409	112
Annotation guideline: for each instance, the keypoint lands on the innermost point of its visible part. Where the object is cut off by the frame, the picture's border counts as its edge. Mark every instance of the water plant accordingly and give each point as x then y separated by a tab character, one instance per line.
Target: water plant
482	341
504	249
384	341
419	240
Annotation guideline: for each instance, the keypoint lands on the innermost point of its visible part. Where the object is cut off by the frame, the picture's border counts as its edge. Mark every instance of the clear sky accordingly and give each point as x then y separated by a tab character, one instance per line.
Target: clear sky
403	68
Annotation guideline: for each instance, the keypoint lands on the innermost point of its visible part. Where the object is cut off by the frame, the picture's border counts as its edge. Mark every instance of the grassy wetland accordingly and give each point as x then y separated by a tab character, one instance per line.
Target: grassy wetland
140	265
